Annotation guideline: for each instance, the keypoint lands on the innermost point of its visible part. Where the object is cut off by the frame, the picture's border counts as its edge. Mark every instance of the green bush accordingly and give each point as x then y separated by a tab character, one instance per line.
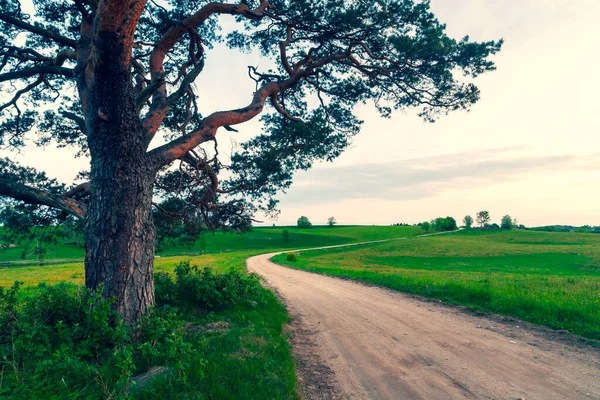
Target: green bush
204	290
59	340
292	257
62	340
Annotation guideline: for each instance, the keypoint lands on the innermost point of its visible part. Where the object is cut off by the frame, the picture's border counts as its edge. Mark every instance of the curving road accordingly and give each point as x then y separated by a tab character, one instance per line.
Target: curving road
379	344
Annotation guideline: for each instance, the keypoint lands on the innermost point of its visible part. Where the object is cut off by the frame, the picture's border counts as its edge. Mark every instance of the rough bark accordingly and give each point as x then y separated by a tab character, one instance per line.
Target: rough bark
119	232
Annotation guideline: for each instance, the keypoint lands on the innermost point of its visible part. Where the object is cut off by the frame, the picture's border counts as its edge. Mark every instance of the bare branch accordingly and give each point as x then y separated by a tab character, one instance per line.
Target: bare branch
146	93
187	81
282	51
168	41
179	147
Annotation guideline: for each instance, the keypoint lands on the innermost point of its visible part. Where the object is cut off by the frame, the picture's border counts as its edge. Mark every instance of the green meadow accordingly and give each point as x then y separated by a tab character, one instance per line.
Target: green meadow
247	355
550	279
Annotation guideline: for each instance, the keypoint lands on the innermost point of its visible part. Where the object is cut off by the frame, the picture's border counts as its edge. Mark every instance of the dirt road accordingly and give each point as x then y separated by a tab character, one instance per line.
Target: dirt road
363	342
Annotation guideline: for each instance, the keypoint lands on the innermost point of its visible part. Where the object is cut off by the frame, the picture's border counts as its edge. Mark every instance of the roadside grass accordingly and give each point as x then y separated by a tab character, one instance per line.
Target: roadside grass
245	349
550	279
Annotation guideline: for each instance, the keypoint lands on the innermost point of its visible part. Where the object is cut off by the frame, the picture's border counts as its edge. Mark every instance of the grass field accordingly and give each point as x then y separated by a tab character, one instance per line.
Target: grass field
221	251
248	356
550	279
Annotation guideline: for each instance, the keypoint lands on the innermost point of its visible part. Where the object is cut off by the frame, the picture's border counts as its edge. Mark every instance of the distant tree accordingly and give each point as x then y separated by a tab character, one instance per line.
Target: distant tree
506	222
426	226
441	224
304	223
286	235
468	221
494	226
451	224
331	222
483	217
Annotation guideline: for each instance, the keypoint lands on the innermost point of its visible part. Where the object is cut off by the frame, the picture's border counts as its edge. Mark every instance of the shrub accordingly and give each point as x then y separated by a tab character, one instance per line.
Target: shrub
203	290
286	235
450	224
59	340
292	257
440	224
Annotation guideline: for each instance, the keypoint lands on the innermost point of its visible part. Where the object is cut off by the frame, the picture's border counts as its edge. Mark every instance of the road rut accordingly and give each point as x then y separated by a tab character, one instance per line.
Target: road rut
381	344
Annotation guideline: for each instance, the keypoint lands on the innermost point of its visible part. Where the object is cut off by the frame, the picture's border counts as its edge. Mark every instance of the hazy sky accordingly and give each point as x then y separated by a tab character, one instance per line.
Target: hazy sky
530	148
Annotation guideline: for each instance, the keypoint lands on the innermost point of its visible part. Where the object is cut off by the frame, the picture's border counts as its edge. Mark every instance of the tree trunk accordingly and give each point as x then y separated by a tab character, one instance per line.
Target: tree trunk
119	231
120	236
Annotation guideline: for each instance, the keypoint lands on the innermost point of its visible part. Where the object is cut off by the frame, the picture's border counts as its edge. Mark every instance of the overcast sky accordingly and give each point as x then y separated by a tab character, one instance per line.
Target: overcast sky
530	148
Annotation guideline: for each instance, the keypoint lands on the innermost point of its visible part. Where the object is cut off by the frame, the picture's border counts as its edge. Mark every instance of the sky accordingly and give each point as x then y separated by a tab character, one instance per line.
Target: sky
530	148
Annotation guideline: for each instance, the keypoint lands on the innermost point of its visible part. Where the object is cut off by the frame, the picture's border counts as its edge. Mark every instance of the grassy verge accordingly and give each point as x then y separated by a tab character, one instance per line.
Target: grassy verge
214	336
551	279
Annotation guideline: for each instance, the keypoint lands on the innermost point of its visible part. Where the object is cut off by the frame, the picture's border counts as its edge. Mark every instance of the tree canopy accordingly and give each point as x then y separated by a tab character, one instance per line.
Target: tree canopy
114	78
394	53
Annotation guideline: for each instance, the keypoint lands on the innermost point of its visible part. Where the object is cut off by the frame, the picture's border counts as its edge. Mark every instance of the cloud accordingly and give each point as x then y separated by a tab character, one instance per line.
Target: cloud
419	178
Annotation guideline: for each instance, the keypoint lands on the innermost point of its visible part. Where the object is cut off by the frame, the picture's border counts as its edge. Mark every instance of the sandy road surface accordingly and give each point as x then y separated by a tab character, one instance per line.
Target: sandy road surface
379	344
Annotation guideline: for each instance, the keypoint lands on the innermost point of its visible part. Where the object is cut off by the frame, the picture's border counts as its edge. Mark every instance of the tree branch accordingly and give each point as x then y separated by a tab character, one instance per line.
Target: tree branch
21	92
179	147
38	69
282	110
79	191
78	120
282	51
168	41
38	30
31	195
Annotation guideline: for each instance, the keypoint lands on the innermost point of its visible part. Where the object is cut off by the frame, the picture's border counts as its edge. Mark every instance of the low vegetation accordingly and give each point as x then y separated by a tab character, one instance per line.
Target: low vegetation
207	337
549	279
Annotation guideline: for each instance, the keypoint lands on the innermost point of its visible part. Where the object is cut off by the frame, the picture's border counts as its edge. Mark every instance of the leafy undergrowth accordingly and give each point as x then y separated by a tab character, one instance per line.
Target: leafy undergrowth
210	336
550	279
